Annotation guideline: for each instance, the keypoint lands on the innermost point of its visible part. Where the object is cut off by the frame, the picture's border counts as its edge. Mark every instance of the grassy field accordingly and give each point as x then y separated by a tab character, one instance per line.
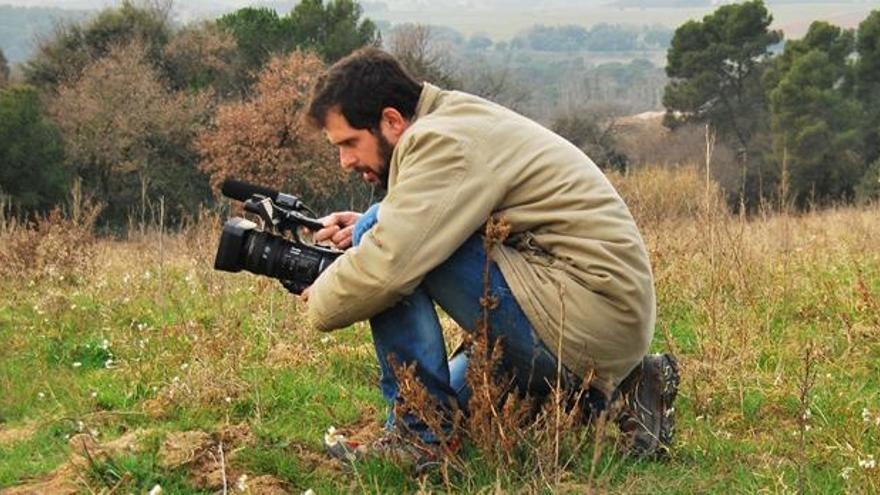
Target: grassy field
128	364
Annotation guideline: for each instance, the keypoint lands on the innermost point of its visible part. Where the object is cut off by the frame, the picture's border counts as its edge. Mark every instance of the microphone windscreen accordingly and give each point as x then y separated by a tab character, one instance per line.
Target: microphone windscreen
243	191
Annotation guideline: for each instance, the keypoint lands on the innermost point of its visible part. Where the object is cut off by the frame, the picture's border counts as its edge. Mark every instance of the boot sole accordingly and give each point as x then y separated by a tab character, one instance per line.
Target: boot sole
671	380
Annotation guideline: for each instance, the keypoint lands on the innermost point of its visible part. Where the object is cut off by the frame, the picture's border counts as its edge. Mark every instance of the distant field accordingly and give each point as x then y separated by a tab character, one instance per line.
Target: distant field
794	19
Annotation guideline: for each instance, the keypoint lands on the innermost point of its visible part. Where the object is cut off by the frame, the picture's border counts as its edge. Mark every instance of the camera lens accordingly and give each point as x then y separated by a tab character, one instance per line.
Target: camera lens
243	247
276	257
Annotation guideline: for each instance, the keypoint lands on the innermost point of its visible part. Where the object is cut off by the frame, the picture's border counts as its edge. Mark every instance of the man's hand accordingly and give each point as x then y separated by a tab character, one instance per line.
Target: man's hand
338	228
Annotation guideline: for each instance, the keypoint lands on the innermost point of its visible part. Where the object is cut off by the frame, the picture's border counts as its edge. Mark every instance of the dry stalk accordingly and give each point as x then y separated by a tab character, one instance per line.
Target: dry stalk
807	380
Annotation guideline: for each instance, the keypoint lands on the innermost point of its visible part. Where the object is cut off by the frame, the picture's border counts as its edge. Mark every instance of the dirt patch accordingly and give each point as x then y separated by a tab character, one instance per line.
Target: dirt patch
8	436
209	458
63	481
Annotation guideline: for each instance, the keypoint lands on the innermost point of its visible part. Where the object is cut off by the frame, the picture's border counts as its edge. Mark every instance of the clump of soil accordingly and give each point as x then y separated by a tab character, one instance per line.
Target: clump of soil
8	436
209	458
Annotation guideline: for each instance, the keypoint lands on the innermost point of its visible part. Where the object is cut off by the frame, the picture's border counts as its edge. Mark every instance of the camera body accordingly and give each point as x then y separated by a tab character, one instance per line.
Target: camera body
274	247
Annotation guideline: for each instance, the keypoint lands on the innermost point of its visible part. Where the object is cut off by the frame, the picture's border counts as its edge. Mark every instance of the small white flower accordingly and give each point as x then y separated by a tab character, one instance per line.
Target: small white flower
94	394
77	364
156	490
241	484
326	340
41	395
73	306
108	363
331	438
147	275
80	426
866	415
845	472
105	344
228	400
868	463
184	366
807	415
309	492
175	379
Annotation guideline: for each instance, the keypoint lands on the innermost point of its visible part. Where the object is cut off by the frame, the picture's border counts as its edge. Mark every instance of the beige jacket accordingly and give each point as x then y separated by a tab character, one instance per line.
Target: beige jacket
575	260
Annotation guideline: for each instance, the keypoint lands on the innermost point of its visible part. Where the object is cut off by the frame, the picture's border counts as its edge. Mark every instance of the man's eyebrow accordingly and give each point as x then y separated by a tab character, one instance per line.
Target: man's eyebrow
348	140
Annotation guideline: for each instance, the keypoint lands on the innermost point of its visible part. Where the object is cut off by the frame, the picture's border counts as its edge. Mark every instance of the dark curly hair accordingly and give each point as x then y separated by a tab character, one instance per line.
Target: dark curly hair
361	85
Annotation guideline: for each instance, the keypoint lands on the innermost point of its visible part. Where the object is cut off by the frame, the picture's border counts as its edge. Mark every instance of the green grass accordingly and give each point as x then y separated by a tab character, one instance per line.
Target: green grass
159	342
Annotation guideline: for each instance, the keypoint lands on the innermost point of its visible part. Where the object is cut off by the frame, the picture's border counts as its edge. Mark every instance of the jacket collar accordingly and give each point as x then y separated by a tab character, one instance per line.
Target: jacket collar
427	99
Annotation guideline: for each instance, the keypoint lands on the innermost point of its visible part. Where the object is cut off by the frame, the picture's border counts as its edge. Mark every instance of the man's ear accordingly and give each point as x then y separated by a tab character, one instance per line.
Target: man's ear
393	123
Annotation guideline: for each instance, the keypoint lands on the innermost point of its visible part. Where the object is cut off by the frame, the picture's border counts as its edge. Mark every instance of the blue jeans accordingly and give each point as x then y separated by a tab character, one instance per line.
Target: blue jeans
410	331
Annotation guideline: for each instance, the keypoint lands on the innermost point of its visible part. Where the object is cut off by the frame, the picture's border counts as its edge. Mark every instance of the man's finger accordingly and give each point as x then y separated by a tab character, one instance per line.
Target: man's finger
325	233
342	239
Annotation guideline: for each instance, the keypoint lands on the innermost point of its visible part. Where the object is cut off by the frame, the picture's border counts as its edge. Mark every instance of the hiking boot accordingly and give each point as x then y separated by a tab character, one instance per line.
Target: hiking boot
390	446
647	416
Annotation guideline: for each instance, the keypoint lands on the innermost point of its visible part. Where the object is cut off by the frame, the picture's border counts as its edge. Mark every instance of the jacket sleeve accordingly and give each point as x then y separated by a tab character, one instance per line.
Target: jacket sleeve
440	198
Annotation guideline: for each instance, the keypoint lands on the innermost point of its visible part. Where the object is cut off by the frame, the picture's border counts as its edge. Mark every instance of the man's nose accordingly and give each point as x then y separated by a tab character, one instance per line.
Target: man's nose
347	160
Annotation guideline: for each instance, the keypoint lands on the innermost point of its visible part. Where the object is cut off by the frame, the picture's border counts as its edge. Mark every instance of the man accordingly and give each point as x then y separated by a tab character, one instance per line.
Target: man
573	281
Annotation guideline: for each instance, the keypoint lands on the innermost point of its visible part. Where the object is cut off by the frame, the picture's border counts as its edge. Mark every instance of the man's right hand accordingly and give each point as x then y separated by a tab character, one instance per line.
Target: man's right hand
338	228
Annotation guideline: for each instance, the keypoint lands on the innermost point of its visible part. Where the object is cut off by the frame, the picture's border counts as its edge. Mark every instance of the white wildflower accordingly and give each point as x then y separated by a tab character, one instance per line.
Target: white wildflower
326	340
156	490
175	379
147	275
866	415
309	492
241	484
108	363
228	400
94	394
331	438
868	463
807	415
184	366
77	364
845	472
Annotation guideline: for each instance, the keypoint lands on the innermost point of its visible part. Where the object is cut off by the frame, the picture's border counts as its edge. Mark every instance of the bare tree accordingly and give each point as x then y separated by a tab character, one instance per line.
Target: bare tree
426	58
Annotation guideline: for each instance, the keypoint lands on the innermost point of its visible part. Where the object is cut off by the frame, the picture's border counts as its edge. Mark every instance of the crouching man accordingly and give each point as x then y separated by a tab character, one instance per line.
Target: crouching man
572	280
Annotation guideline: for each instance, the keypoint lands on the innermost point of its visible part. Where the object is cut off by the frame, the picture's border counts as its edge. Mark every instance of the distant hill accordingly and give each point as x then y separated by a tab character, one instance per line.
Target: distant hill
653	4
20	26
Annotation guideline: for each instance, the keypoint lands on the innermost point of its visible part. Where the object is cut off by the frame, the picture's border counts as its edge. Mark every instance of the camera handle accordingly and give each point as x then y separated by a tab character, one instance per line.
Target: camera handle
280	218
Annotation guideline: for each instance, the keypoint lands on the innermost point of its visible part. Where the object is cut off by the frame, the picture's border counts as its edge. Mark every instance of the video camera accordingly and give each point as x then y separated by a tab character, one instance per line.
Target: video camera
274	248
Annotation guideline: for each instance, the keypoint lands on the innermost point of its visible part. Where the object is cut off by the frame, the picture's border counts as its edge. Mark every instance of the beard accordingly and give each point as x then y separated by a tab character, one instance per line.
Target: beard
386	150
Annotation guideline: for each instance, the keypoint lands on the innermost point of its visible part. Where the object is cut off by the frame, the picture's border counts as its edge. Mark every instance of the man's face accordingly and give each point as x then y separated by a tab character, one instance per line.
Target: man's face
360	150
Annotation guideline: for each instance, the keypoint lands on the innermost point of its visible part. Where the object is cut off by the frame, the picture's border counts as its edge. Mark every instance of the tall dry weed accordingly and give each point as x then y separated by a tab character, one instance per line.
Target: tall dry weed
665	196
534	442
55	245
